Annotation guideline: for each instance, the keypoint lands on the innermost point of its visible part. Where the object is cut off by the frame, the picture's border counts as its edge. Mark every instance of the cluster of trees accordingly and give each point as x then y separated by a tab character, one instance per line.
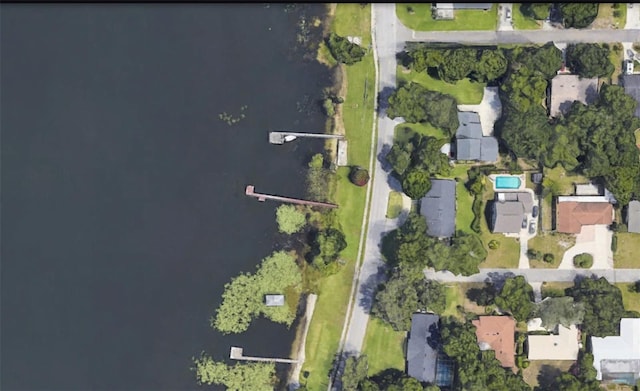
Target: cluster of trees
344	51
589	60
560	310
238	377
416	104
476	370
415	160
290	218
578	15
515	297
539	11
354	378
451	65
581	377
243	297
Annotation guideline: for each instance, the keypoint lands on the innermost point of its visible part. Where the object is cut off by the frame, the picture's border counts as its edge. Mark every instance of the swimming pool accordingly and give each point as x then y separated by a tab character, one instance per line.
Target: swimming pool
507	182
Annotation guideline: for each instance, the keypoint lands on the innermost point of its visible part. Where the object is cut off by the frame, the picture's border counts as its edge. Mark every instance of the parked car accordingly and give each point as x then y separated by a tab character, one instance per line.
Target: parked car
508	13
534	212
532	227
524	223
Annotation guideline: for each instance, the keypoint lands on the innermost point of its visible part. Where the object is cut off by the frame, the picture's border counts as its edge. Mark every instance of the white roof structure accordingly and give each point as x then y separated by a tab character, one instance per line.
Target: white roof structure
274	300
618	357
564	346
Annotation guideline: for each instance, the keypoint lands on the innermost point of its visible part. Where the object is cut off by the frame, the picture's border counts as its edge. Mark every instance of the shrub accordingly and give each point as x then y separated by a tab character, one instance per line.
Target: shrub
534	254
476	207
290	219
359	176
525	364
583	260
614	243
494	244
548	258
328	107
343	50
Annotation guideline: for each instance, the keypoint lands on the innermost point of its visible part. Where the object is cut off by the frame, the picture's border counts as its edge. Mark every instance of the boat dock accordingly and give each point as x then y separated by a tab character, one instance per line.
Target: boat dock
250	191
278	137
237	354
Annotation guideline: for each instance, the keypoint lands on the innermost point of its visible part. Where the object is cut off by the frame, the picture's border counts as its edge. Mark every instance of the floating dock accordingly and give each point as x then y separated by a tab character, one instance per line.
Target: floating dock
237	354
278	137
250	191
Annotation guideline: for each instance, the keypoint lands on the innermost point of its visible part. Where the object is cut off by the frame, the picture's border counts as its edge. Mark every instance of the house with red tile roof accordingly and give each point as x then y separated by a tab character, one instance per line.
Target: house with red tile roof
497	333
571	216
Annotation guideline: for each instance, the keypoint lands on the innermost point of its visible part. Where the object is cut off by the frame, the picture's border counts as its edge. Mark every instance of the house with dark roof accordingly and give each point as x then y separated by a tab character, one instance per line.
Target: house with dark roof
633	216
497	333
617	358
509	210
631	85
470	143
425	361
439	208
565	89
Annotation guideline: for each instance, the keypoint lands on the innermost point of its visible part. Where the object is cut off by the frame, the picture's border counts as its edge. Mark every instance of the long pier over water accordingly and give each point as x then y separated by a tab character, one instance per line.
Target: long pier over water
278	137
250	191
237	354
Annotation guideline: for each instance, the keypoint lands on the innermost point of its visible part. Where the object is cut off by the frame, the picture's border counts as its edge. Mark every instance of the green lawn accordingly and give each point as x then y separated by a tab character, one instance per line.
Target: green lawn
465	91
554	289
383	346
616	58
394	206
464	214
522	22
630	299
404	131
626	256
457	297
417	16
531	375
554	243
606	19
507	254
333	292
564	181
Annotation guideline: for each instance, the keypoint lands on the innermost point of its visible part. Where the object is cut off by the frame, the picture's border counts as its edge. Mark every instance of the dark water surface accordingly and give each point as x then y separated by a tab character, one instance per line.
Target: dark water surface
123	206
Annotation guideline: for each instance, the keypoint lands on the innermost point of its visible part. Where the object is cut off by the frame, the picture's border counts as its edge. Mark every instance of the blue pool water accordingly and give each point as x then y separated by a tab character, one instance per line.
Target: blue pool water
507	182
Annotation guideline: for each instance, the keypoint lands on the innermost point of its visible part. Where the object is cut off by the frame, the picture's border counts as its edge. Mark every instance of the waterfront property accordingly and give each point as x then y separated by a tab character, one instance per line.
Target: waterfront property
617	358
497	333
565	89
471	145
274	300
439	208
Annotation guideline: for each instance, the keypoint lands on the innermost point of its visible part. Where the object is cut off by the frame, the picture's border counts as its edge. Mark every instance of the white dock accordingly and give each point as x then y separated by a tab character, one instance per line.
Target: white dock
237	354
278	137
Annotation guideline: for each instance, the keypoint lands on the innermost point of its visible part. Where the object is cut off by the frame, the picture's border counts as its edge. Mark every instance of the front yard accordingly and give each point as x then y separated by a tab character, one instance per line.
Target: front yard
523	22
610	17
417	16
627	255
465	91
457	298
384	347
553	243
630	299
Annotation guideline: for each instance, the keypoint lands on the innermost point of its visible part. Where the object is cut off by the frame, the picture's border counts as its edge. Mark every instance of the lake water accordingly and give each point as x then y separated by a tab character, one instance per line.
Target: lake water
123	206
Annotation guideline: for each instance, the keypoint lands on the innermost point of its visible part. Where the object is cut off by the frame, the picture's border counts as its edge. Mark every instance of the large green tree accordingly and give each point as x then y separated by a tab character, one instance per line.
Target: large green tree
525	89
527	133
344	51
290	219
491	65
416	104
602	303
546	60
416	183
589	60
237	377
516	297
327	245
578	15
537	11
355	371
560	310
457	64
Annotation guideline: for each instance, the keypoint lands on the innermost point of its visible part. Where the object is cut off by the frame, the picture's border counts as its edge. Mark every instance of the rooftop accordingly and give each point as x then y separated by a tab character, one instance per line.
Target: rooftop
439	208
422	347
565	89
497	333
461	6
507	216
274	300
563	346
572	215
633	217
470	143
618	354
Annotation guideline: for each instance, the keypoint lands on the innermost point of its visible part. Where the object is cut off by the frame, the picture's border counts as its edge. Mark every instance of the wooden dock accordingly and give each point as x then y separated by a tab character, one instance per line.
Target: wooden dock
237	354
278	137
250	191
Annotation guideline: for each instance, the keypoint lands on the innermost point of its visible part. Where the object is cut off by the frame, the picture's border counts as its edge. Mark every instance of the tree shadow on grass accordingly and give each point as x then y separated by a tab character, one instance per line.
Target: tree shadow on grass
547	378
369	288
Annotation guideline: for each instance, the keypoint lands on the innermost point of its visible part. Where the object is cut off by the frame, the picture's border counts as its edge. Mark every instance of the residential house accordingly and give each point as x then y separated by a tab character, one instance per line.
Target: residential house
439	208
565	89
425	362
633	217
509	210
497	333
572	213
470	143
632	87
617	358
274	300
562	344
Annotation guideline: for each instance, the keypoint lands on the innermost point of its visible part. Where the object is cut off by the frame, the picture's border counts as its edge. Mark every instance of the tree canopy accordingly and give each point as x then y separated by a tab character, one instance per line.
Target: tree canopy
355	371
589	60
290	219
516	297
578	15
237	377
603	307
539	11
344	51
327	245
546	59
416	183
242	299
560	310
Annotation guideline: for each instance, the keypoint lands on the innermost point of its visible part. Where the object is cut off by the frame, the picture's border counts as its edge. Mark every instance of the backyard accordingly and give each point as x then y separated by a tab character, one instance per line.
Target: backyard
545	371
417	16
626	256
383	346
553	243
465	91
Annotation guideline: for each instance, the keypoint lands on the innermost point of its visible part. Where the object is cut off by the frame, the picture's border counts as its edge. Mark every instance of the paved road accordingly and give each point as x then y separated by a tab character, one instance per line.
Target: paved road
537	275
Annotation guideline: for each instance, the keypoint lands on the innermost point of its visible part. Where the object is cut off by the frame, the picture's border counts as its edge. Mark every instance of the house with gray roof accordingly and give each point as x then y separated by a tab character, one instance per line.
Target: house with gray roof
632	87
439	208
565	89
509	210
470	143
422	347
633	217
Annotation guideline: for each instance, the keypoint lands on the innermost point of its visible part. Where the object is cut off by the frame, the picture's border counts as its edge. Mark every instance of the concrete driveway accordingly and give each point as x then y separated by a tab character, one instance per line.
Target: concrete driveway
489	109
505	24
594	240
633	16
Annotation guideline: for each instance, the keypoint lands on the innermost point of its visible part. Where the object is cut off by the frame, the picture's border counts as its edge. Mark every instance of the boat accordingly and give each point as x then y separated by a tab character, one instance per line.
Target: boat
289	138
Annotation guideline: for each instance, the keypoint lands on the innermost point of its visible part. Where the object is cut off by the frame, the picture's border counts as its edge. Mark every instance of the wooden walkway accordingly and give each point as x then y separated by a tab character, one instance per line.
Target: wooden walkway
237	354
278	137
263	197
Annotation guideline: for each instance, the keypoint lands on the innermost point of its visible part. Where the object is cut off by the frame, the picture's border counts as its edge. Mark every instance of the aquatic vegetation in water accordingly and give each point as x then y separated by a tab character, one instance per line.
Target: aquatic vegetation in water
230	119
